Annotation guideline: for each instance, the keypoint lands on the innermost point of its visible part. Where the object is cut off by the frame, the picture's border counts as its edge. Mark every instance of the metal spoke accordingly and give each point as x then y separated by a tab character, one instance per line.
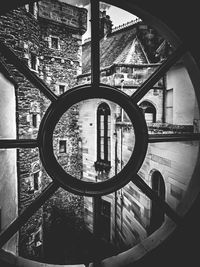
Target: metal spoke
24	69
157	138
95	47
27	213
137	180
158	74
23	143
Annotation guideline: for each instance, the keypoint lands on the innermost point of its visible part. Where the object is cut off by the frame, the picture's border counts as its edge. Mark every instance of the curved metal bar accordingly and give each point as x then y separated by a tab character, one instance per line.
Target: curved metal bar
157	138
53	115
24	69
137	180
158	74
23	143
27	213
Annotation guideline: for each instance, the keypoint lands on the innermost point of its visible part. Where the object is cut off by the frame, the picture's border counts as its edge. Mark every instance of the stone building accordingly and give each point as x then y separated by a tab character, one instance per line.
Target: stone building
128	56
46	36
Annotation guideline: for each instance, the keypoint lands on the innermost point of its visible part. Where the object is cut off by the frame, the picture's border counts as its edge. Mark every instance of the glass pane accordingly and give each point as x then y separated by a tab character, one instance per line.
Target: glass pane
109	149
102	132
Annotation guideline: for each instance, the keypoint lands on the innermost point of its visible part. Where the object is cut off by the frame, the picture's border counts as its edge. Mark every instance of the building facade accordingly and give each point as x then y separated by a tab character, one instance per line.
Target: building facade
128	56
94	140
47	36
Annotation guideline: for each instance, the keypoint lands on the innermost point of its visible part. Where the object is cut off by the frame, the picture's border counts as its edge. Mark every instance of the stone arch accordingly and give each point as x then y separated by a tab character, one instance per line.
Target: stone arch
149	111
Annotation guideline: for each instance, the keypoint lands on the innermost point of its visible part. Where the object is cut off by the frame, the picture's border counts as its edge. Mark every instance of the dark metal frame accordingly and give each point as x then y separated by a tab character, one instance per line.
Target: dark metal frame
51	118
75	95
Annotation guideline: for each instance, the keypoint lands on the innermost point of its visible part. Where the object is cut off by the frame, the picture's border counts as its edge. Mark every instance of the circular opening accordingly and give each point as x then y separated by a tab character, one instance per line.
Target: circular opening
97	146
150	115
48	128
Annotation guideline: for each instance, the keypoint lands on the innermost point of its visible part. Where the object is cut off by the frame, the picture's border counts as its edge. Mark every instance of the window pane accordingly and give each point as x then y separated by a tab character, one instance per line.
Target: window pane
33	61
61	89
54	42
36	182
109	149
62	146
34	118
102	132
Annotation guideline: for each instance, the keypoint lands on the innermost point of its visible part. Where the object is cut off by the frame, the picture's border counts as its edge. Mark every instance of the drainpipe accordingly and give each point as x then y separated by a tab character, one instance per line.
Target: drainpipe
164	99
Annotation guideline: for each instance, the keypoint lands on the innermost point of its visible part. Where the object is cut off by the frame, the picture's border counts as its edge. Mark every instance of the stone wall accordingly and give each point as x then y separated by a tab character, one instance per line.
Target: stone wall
30	35
67	15
20	30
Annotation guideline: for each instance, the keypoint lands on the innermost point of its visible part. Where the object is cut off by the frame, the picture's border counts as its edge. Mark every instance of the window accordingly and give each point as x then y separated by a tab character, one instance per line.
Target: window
47	143
155	92
62	146
61	89
169	105
54	43
34	120
149	111
103	132
36	180
33	62
31	8
157	215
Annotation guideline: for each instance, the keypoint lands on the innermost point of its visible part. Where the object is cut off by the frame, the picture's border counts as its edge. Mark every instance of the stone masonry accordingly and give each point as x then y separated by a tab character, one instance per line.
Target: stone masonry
47	37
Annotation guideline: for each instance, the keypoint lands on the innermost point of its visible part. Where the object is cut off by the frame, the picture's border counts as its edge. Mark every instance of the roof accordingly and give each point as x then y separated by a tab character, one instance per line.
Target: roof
121	47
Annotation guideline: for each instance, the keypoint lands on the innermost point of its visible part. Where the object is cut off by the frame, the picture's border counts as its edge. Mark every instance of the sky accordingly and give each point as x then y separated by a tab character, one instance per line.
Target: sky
117	15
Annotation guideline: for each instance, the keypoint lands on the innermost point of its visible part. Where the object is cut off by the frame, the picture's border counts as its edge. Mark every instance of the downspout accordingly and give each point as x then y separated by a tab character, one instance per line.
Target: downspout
164	99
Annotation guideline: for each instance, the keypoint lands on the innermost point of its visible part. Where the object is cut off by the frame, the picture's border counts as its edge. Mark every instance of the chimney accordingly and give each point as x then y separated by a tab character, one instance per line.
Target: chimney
105	24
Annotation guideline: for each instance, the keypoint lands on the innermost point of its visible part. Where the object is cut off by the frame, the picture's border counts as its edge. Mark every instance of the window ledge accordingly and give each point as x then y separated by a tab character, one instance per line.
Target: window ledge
102	166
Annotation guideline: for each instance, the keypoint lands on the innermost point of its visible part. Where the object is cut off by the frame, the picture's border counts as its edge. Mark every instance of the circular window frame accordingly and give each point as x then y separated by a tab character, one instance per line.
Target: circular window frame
54	114
140	250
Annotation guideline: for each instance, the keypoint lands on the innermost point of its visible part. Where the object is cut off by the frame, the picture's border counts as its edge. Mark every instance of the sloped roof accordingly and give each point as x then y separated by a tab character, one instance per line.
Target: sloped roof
132	54
121	47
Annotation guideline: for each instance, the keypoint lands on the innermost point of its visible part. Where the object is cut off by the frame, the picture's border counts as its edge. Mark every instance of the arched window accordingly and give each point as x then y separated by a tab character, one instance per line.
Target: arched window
103	137
149	111
157	215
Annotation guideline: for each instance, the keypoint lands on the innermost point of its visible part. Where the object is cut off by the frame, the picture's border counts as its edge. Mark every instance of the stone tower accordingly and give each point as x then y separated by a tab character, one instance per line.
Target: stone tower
47	37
